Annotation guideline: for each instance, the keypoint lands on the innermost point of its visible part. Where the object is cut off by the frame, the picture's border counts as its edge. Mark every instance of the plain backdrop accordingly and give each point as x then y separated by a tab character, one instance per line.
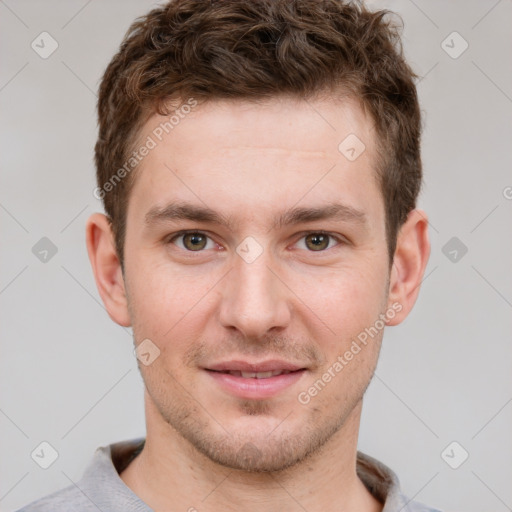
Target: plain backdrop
68	375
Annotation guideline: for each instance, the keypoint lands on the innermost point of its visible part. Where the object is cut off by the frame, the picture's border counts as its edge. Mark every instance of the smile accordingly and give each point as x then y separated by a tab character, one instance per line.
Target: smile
257	375
254	381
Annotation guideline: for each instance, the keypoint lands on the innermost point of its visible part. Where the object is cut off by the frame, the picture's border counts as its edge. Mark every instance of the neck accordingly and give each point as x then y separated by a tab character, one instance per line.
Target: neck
170	472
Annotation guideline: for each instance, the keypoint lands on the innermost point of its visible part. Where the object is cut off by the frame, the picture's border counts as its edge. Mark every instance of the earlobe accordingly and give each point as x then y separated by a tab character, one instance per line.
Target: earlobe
107	268
409	263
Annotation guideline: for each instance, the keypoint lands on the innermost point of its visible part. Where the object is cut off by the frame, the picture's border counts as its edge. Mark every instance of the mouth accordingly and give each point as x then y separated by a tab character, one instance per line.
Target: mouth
255	380
256	375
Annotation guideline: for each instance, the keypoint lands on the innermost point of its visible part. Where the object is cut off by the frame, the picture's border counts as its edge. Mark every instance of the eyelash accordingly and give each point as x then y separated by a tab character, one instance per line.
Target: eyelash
303	235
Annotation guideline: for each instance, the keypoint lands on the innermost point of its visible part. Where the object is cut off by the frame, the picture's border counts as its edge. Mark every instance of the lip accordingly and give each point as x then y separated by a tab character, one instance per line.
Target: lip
263	366
253	388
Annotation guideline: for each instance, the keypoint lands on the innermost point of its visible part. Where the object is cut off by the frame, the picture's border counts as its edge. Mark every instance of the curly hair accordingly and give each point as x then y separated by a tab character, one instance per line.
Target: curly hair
251	50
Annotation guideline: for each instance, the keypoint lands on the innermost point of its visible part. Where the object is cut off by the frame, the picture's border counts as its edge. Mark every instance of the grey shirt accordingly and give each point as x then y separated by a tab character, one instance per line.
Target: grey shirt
101	488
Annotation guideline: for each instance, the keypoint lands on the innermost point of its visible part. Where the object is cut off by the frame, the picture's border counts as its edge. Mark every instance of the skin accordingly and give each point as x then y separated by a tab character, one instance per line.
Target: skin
206	448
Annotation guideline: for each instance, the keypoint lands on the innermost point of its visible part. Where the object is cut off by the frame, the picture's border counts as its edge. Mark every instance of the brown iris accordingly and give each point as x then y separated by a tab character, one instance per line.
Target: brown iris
317	241
194	241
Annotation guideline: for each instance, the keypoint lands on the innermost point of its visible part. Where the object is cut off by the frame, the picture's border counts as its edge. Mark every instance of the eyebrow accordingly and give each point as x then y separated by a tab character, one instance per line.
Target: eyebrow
187	211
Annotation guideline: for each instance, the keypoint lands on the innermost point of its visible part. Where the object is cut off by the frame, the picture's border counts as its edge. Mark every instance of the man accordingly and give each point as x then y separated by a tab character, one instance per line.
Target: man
259	165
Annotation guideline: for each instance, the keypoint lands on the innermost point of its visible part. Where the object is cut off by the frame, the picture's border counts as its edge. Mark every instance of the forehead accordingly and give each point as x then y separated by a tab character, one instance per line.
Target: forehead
308	126
267	155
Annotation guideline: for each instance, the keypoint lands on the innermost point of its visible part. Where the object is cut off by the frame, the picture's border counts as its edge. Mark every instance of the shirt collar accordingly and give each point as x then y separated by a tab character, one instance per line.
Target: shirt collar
109	461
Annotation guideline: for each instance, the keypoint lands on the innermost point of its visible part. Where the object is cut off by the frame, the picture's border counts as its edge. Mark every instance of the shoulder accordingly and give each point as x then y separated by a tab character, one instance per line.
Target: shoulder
100	488
64	500
415	506
399	502
384	485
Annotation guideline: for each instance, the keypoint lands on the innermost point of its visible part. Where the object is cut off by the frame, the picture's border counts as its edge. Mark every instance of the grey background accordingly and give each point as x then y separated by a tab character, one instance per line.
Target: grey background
68	375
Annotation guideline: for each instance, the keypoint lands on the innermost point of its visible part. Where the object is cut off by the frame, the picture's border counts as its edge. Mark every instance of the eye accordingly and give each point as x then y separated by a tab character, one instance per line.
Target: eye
192	241
197	241
319	241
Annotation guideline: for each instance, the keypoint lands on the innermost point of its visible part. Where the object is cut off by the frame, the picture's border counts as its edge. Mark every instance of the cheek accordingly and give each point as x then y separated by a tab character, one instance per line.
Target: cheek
162	297
346	300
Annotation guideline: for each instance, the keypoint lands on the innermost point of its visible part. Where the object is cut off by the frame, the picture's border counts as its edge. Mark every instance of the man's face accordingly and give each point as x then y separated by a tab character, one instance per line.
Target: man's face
266	292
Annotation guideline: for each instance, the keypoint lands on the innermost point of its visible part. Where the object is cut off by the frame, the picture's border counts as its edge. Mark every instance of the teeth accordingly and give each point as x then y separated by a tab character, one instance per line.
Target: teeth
257	375
252	375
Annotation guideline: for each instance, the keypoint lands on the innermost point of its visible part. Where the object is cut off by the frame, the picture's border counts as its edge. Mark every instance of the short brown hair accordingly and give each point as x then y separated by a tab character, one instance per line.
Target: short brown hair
255	49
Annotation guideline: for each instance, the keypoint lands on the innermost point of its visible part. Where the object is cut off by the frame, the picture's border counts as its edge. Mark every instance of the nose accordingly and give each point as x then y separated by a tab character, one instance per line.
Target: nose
254	299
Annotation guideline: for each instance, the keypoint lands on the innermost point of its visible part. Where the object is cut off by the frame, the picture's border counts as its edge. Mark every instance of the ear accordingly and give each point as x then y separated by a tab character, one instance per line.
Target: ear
409	263
107	268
